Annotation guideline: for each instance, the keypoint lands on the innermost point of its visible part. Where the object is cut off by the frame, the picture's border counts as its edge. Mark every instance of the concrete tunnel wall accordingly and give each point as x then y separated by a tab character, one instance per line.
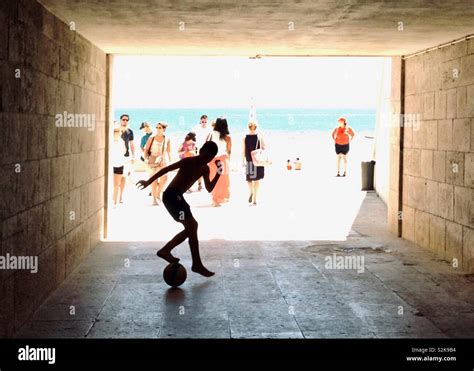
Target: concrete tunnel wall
46	69
438	177
435	93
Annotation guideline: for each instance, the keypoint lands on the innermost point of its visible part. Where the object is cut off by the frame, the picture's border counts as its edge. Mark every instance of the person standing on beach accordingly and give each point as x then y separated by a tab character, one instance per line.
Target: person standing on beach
127	138
342	135
220	136
147	132
157	149
202	132
254	174
117	159
188	147
190	170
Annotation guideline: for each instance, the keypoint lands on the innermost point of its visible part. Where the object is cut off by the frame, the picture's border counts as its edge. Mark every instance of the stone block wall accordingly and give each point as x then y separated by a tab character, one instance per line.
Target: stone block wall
51	177
438	153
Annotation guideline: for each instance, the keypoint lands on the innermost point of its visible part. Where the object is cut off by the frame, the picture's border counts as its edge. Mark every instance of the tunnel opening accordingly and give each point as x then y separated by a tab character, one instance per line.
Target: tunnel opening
296	103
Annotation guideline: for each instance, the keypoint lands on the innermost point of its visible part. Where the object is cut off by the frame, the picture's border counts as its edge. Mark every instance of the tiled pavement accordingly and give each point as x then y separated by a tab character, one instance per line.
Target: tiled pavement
274	289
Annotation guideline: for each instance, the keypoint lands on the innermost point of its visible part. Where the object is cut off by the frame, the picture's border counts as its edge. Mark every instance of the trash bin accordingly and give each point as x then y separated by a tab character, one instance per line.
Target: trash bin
368	175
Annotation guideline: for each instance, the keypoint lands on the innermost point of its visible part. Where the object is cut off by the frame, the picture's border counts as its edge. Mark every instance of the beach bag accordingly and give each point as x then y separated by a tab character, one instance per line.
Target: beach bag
156	161
260	156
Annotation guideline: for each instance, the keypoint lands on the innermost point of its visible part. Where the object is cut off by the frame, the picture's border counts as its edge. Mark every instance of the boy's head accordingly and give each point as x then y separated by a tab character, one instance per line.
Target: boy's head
208	151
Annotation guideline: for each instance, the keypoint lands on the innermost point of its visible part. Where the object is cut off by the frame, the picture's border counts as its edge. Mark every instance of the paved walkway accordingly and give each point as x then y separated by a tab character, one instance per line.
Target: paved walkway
265	289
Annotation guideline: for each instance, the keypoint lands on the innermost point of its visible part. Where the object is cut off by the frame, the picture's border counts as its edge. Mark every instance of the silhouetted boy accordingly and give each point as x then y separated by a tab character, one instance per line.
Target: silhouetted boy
190	170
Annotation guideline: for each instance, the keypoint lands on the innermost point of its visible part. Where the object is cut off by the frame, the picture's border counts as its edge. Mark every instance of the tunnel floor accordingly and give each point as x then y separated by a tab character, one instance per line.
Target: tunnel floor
265	289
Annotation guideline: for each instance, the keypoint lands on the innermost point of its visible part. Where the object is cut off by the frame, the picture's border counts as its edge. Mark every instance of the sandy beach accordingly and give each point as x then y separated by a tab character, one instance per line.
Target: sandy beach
310	204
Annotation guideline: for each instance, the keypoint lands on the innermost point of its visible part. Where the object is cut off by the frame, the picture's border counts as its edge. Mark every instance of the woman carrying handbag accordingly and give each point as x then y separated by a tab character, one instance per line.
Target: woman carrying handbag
157	151
254	156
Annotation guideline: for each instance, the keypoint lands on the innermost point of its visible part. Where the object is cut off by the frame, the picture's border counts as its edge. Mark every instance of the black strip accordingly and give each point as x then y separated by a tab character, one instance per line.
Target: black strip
103	352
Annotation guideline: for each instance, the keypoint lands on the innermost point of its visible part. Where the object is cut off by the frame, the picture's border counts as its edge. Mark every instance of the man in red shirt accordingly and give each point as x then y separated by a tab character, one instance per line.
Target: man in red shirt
342	135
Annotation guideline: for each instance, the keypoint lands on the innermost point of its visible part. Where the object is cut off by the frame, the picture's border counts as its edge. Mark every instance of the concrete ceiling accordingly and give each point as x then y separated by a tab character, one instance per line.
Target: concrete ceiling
253	27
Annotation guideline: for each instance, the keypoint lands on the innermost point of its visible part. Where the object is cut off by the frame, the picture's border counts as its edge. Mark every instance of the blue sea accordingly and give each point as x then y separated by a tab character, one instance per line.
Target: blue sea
181	121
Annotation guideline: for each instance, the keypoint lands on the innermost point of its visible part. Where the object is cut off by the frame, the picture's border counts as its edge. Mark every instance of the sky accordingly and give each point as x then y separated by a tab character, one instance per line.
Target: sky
236	82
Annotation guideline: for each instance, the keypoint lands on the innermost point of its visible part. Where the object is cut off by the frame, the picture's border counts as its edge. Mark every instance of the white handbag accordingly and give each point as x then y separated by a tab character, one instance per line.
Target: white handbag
260	156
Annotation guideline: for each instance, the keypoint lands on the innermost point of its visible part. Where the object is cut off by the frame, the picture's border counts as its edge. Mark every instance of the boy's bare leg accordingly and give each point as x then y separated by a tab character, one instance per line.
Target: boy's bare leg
345	163
165	251
191	227
338	162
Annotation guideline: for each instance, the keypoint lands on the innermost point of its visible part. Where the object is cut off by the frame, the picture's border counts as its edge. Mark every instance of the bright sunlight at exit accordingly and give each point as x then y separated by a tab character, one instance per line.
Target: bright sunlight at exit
291	134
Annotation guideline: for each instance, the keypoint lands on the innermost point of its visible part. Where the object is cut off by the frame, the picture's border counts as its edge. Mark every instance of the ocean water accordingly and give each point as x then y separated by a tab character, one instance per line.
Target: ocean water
181	121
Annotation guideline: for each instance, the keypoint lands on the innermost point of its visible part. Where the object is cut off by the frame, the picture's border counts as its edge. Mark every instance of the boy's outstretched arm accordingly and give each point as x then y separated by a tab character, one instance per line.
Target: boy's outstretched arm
207	181
142	184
